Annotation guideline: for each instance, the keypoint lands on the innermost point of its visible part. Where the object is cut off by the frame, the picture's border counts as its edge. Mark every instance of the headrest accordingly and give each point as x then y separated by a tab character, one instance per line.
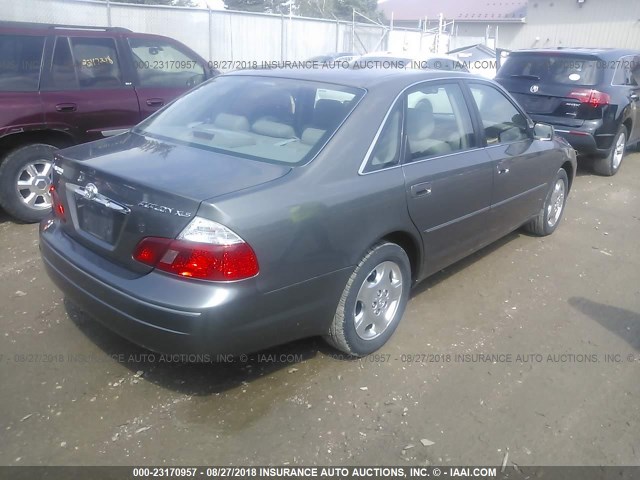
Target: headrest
273	129
311	136
229	121
420	121
328	113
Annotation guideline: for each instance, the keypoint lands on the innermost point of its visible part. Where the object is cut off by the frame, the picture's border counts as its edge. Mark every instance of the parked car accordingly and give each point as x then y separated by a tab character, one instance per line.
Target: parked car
590	96
254	211
333	57
409	60
61	85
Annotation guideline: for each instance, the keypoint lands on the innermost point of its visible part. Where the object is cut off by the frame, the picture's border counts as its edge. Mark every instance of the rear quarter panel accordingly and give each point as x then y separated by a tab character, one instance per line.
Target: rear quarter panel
321	217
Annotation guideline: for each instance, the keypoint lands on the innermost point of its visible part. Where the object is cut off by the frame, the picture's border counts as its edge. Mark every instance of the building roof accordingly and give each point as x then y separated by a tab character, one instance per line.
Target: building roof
458	10
475	46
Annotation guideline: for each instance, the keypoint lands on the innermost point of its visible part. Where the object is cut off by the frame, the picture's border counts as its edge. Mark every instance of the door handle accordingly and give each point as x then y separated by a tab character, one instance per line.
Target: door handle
155	102
421	189
66	107
502	170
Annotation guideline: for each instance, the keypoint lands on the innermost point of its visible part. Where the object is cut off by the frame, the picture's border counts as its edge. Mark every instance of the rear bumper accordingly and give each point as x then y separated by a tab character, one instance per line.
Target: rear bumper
587	139
167	314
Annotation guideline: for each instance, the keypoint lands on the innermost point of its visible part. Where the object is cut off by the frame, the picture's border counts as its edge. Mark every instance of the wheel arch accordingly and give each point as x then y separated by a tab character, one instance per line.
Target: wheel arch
628	124
411	246
568	167
56	138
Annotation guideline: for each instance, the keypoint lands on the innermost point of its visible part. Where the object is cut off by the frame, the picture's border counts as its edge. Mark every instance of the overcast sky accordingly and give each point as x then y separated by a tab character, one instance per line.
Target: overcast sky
213	4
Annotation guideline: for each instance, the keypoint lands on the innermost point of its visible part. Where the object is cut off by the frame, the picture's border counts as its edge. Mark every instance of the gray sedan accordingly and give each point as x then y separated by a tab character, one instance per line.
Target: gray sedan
267	206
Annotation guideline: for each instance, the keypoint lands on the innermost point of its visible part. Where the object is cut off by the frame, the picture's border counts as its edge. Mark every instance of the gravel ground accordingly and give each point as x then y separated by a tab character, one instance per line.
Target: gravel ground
531	347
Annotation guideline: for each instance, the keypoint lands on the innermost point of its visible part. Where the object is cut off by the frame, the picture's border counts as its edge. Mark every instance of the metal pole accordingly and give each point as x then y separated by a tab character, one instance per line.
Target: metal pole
440	29
210	36
281	37
108	13
230	36
353	31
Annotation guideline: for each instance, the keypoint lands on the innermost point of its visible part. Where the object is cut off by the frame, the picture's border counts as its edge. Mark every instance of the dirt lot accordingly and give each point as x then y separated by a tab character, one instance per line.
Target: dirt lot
74	393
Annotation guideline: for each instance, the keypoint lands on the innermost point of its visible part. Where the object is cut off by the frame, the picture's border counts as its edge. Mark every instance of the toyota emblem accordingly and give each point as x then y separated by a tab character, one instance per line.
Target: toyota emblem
534	89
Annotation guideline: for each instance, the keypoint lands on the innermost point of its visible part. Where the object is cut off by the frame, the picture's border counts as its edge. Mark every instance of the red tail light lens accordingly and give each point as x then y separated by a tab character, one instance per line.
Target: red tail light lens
221	261
56	205
592	97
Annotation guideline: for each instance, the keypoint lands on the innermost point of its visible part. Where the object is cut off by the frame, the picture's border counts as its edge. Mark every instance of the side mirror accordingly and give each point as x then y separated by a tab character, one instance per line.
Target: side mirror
542	131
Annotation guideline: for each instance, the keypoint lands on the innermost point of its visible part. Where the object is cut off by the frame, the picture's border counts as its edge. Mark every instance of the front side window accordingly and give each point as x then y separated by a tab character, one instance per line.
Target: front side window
438	121
20	60
160	64
501	121
269	119
96	62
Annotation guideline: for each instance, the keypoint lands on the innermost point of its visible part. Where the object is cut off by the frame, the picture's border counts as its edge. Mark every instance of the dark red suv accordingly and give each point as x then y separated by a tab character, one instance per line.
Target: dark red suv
63	85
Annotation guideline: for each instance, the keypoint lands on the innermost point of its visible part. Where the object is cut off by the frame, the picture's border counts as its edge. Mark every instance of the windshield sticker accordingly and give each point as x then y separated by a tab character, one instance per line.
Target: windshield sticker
94	62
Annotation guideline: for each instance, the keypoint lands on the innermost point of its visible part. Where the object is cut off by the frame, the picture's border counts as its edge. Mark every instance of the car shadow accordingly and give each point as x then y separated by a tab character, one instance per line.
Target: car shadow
622	322
204	376
585	167
5	218
460	265
220	373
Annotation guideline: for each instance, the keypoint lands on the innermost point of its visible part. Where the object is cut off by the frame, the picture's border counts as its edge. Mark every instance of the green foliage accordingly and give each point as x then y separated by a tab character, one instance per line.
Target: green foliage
175	3
342	9
264	6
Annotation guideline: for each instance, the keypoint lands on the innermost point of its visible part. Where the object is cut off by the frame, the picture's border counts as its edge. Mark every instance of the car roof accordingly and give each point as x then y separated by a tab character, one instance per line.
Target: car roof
612	53
411	55
357	77
48	27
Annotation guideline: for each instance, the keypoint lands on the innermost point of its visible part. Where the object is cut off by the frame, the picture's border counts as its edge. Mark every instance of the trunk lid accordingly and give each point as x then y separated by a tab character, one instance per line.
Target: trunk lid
117	191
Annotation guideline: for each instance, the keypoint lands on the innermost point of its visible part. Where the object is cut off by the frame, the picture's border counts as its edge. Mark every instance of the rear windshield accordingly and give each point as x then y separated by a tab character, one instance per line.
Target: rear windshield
20	59
270	119
556	69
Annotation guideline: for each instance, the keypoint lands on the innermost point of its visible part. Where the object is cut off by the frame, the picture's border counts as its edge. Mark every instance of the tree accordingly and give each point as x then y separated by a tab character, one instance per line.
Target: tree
263	6
342	9
174	3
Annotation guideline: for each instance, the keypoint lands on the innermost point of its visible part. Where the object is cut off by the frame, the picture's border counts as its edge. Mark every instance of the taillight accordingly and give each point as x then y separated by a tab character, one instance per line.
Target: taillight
592	97
204	249
56	205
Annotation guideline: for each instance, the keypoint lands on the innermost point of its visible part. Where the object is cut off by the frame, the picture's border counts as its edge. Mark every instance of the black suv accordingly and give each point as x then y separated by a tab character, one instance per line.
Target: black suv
63	85
590	96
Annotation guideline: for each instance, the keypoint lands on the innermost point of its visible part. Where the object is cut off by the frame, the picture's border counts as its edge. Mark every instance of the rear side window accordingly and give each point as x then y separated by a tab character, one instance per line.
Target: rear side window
20	60
386	152
161	64
502	122
63	72
627	68
555	69
96	62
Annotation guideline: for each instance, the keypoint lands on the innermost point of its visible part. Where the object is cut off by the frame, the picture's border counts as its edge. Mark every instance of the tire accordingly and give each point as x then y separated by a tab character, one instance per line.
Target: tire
31	166
548	219
609	165
386	271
